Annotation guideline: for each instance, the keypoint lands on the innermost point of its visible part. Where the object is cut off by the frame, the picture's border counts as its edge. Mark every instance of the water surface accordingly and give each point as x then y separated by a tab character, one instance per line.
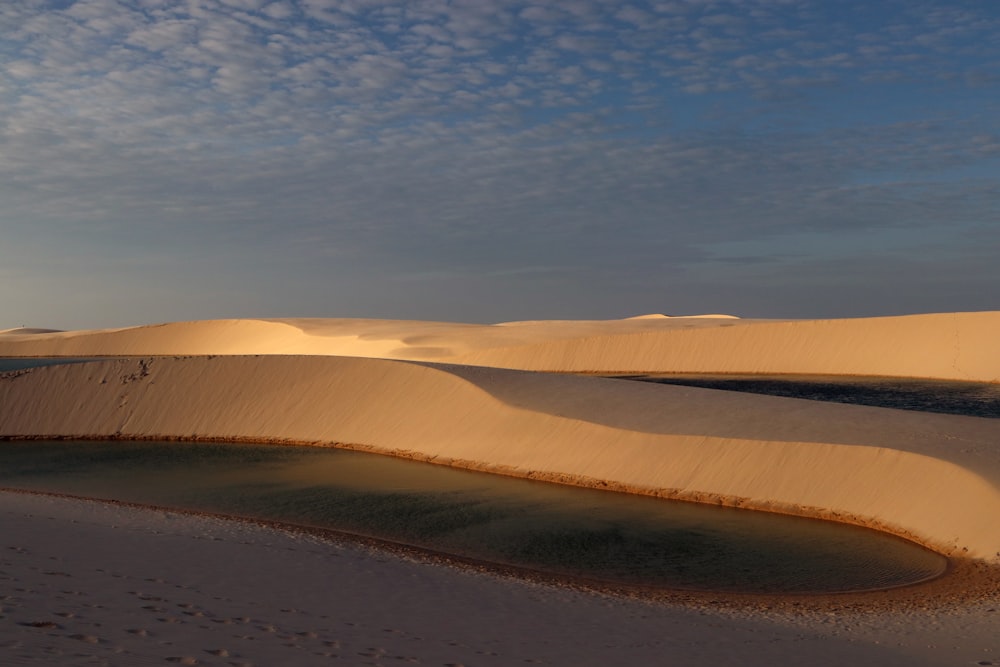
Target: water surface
547	527
975	399
20	363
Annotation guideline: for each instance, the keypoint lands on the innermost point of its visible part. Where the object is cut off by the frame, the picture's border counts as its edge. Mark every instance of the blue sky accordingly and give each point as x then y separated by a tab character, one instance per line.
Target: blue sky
494	160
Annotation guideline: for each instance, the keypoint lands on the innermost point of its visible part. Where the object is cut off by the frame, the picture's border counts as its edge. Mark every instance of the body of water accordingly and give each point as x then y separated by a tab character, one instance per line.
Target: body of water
546	527
975	399
20	363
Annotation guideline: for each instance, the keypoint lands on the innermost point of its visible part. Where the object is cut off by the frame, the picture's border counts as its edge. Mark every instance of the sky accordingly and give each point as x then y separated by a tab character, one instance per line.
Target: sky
496	160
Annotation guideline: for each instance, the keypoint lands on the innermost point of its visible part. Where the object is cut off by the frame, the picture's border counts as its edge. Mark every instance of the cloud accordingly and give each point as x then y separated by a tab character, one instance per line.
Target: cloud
507	137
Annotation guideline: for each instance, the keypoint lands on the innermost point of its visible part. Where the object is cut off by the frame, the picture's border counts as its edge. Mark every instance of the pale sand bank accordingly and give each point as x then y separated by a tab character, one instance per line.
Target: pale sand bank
86	583
947	345
932	478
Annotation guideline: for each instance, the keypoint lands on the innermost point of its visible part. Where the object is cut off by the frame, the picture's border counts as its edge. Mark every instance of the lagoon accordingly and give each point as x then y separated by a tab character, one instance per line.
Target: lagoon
567	531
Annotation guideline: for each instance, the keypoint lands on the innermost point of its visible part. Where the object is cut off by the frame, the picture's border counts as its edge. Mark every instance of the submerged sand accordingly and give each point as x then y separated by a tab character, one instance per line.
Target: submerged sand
470	395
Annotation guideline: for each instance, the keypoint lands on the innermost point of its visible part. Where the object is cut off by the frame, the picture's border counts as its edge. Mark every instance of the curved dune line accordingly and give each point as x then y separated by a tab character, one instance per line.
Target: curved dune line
901	475
959	346
947	346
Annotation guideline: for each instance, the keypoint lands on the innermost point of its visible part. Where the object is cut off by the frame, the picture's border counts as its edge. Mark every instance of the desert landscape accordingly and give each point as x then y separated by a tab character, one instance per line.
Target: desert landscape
102	583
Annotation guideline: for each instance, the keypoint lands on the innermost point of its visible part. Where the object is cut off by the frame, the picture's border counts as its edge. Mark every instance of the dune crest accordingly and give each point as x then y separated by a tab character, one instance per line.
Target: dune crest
959	346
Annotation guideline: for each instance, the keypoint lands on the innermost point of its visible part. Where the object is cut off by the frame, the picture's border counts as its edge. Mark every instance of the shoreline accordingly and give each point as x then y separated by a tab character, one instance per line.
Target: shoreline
144	585
962	579
563	479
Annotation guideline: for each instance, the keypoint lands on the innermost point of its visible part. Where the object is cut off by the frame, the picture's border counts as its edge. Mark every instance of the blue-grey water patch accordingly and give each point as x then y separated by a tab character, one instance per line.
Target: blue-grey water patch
976	399
546	527
21	363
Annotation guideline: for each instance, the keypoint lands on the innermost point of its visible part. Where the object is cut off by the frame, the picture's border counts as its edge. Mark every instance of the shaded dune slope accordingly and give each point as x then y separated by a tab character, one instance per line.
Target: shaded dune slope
932	478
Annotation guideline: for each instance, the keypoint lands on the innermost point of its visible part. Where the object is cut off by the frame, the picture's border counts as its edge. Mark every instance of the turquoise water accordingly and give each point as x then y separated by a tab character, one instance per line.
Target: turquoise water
550	528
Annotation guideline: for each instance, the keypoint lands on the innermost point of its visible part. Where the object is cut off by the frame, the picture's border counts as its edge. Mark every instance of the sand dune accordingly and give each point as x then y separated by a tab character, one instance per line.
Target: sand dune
949	346
381	385
913	474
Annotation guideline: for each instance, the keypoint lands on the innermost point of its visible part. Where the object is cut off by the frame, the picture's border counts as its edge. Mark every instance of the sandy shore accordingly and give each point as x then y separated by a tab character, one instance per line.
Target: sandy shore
132	586
89	583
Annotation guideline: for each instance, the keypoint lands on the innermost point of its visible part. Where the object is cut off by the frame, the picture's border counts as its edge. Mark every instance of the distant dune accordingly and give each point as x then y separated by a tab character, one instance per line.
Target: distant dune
27	330
959	346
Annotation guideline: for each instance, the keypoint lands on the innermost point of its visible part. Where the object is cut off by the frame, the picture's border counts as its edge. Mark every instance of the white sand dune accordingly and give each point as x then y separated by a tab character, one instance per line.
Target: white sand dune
913	474
959	346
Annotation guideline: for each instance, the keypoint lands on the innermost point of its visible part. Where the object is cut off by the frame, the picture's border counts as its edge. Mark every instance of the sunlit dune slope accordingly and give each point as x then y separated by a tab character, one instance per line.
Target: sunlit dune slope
947	346
934	478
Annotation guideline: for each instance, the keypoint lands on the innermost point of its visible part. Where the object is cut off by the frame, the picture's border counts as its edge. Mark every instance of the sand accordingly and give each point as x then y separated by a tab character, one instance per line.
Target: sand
87	584
452	394
948	345
912	474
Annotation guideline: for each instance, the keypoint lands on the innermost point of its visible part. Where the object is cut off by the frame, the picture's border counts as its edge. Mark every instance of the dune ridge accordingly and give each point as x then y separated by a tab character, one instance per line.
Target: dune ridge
957	346
914	475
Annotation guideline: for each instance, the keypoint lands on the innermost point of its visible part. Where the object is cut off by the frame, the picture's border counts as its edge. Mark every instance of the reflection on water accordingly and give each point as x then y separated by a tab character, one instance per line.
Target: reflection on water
976	399
547	527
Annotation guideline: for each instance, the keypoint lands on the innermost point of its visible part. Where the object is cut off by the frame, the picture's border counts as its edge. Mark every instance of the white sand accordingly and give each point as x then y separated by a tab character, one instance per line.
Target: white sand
933	478
85	584
909	473
948	345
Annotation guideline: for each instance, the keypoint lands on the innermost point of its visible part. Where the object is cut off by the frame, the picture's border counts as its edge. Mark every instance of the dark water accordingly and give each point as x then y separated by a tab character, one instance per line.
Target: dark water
17	364
547	527
976	399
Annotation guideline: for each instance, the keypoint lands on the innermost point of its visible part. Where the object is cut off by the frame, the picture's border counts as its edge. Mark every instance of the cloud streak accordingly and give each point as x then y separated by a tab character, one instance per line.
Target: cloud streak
449	138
